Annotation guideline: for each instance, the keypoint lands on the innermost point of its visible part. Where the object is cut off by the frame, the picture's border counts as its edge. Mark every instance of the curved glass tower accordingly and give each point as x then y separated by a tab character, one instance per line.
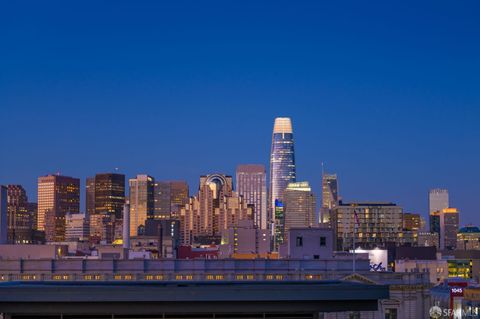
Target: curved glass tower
282	164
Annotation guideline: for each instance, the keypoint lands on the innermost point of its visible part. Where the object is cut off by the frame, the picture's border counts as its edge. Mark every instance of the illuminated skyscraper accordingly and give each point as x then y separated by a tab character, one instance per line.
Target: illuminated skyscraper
170	196
142	202
105	197
282	163
329	196
20	218
251	183
57	195
299	207
438	200
449	222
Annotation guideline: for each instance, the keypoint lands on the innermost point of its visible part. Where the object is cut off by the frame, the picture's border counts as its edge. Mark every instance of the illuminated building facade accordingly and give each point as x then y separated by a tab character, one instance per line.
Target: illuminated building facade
468	238
282	163
329	196
105	197
20	218
251	183
378	224
299	207
449	224
142	202
214	209
57	195
169	197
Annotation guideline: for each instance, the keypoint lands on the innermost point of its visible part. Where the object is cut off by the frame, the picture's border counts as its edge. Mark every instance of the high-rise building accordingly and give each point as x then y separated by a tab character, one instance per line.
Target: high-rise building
142	202
251	183
434	222
214	209
374	225
76	227
411	222
437	200
169	197
449	222
110	194
299	207
162	200
57	195
20	218
282	163
105	197
90	196
329	196
3	215
179	194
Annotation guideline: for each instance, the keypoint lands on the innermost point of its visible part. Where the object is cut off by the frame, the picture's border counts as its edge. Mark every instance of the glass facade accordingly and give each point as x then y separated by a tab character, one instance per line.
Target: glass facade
282	162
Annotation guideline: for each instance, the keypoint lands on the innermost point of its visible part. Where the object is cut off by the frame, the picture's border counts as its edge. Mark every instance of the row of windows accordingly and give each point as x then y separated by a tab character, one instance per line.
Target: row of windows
91	277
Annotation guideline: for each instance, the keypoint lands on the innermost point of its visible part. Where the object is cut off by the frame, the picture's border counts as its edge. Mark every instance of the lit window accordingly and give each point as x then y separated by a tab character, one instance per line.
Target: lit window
269	277
278	277
209	277
117	277
149	277
309	277
219	277
239	277
250	277
158	277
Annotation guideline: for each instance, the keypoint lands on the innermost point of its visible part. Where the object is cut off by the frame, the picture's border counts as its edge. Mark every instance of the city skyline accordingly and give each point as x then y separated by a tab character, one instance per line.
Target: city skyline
391	110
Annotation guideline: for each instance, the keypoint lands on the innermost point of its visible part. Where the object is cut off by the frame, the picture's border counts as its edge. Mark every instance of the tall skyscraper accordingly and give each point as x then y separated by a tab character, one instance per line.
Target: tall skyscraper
110	194
20	218
251	183
299	207
214	209
329	196
105	197
57	195
179	194
449	222
3	215
169	196
142	202
282	163
438	200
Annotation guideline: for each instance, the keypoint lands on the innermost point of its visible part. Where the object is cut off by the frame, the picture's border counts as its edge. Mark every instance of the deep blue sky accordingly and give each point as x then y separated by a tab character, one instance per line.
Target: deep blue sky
387	94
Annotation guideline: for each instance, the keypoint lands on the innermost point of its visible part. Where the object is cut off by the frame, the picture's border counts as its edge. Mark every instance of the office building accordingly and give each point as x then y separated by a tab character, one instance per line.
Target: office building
299	207
449	224
169	197
76	227
57	196
105	197
142	202
329	196
3	215
19	217
282	163
374	225
109	194
434	222
411	222
214	209
438	200
428	239
251	183
468	238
